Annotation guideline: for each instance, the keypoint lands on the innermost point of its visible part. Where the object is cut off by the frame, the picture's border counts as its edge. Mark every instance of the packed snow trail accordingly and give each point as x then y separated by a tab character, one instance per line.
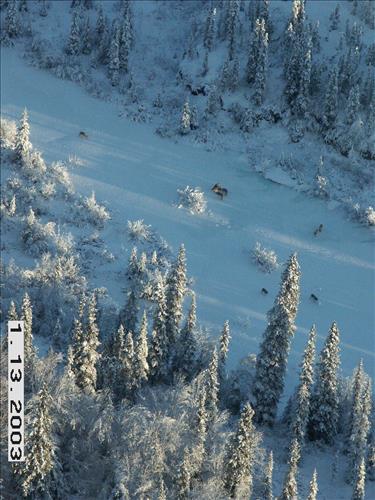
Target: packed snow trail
137	174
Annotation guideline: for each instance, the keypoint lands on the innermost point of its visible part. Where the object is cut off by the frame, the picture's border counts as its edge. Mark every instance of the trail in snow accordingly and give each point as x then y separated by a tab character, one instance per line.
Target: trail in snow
137	174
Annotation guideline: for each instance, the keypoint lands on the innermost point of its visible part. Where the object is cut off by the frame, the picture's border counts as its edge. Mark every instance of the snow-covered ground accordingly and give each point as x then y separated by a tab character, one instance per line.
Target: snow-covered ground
137	174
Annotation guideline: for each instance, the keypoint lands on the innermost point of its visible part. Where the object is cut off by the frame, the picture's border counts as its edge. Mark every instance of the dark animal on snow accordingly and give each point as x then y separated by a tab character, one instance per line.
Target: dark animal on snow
314	297
220	191
83	135
318	230
264	291
197	90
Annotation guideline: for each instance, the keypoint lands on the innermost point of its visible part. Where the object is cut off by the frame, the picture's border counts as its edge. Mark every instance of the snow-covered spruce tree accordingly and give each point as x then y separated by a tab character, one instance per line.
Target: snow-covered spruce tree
23	145
238	475
212	387
201	431
352	107
185	123
231	26
129	314
360	427
74	42
274	349
11	23
40	475
330	108
114	59
128	381
43	8
324	404
223	350
257	60
159	350
290	490
303	395
313	487
125	42
176	290
370	460
141	367
85	353
162	492
335	18
184	476
209	32
22	6
360	481
357	384
267	489
30	355
86	36
187	343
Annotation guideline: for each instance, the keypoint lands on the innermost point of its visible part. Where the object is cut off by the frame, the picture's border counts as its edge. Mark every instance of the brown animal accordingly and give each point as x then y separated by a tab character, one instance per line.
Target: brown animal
220	191
83	135
318	230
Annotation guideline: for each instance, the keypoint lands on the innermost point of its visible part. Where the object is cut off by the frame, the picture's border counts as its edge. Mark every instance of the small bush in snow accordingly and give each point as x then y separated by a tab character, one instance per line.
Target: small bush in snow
192	199
8	130
265	259
138	230
369	216
93	213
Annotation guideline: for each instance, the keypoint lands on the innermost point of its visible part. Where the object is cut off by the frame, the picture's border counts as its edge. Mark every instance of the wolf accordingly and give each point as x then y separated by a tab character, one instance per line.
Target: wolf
318	230
220	191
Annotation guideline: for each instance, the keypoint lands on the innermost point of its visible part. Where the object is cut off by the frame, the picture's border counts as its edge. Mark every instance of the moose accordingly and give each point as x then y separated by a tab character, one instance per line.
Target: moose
83	135
220	191
318	230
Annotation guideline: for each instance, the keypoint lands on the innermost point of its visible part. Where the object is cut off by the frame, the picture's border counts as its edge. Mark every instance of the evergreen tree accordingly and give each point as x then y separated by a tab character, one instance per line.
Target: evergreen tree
129	315
188	342
240	460
360	480
125	42
185	124
212	387
86	36
335	18
231	25
22	143
209	29
331	100
74	41
85	354
257	59
30	355
100	23
324	408
141	367
201	429
184	477
12	312
128	366
313	490
158	356
274	349
41	471
303	396
43	9
267	493
176	289
360	427
11	24
352	105
290	490
224	348
114	59
162	493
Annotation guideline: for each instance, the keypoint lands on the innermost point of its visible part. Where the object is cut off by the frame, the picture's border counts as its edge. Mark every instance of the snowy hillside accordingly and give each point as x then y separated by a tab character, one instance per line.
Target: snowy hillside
137	175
